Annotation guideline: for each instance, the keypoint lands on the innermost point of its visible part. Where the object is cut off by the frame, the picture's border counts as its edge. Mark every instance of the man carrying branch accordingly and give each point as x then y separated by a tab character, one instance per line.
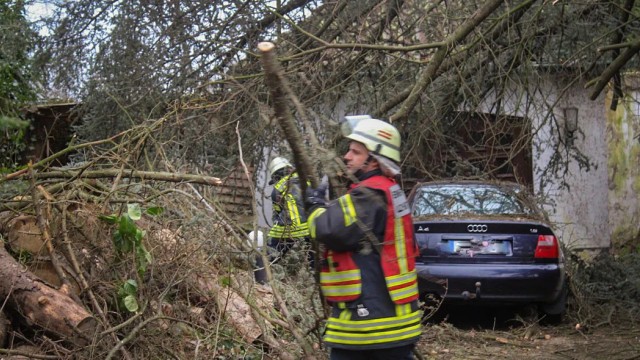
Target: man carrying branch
368	270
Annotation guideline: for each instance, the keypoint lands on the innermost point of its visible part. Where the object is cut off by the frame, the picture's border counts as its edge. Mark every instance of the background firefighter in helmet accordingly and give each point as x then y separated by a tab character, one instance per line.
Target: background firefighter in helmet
368	271
289	221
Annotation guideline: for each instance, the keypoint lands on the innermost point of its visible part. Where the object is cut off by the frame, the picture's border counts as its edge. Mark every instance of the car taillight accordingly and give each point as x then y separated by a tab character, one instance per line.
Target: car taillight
547	247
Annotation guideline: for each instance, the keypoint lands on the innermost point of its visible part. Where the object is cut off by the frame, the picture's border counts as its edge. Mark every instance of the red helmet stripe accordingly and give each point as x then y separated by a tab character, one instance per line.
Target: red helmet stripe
385	134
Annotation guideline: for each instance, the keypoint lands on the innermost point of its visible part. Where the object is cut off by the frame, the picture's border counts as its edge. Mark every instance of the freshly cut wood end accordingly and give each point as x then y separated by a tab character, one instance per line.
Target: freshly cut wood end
266	46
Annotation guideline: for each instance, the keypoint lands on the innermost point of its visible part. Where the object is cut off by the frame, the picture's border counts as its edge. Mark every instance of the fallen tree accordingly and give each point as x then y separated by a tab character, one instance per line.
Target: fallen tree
42	305
122	261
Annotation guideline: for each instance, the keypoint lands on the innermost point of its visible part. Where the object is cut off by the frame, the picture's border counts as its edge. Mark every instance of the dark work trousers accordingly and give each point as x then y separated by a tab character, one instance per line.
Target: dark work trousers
396	353
277	249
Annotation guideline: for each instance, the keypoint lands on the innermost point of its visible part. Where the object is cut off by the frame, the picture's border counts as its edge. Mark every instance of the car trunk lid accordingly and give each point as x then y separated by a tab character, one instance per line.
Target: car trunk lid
503	240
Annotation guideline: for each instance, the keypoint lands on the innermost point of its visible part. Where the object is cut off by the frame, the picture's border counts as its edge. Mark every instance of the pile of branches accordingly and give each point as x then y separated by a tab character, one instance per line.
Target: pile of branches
126	255
605	289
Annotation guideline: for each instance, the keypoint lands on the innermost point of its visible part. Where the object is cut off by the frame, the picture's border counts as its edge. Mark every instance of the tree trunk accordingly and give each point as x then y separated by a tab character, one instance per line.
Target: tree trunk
42	305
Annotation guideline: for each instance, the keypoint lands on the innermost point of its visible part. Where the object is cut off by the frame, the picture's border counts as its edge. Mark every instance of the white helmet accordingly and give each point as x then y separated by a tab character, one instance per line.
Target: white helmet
379	137
257	241
277	164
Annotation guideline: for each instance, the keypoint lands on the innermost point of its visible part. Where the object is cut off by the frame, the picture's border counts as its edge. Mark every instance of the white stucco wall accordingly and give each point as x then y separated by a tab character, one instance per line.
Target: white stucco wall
581	209
574	196
263	191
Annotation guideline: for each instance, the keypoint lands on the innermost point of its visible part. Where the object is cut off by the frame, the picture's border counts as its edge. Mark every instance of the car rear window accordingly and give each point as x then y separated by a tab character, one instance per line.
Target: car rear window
468	199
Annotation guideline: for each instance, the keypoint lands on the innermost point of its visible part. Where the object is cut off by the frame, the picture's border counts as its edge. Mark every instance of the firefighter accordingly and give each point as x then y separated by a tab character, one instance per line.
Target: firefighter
368	270
289	222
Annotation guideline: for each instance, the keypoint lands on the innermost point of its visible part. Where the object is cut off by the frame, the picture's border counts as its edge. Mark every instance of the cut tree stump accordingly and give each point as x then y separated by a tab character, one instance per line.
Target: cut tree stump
41	305
23	234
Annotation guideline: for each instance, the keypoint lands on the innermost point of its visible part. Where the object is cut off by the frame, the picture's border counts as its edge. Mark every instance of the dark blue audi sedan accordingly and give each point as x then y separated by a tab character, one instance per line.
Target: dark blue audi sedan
487	243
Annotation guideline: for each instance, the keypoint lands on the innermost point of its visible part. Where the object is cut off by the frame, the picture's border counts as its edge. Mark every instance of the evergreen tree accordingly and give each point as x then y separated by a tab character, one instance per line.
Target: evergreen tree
16	85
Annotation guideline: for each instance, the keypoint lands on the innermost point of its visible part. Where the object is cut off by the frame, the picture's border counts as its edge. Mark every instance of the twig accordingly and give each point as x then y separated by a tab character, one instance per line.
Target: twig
438	58
132	335
355	46
121	325
83	282
131	174
418	354
76	267
46	235
244	166
28	355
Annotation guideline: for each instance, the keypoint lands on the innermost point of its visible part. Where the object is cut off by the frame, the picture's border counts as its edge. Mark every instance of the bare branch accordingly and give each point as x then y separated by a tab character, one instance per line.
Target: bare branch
438	58
613	68
129	174
279	91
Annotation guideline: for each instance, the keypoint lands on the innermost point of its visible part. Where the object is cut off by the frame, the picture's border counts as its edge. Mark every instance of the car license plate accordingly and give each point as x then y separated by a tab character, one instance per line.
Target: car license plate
475	246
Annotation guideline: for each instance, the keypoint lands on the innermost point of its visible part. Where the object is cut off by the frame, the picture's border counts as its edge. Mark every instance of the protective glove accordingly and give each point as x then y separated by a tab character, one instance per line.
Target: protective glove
315	197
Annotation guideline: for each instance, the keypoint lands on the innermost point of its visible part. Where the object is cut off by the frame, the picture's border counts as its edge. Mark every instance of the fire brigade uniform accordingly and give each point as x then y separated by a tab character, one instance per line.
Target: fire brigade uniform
289	222
289	219
374	294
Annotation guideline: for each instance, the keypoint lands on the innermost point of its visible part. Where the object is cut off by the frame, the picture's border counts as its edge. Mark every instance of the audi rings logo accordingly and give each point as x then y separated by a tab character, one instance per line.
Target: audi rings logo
477	228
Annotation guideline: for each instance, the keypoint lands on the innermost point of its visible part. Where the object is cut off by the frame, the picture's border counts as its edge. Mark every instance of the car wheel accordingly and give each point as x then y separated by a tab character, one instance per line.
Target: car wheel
553	312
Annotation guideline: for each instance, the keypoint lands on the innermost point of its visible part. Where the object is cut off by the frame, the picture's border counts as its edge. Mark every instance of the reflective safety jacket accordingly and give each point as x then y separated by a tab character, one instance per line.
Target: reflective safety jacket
373	294
289	218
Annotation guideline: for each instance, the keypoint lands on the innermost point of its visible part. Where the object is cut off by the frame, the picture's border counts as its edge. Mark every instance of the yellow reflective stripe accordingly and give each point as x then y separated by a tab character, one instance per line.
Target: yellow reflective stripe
403	309
343	290
289	231
404	292
374	331
280	185
292	206
408	285
401	246
340	276
345	314
348	209
374	338
374	324
399	279
276	231
332	283
311	220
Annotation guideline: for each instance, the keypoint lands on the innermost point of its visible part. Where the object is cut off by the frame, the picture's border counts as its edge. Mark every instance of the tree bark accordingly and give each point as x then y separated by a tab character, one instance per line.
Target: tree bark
42	305
279	89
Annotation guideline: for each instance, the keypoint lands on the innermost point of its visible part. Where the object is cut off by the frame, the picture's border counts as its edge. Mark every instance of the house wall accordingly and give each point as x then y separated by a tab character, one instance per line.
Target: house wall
573	185
580	207
623	136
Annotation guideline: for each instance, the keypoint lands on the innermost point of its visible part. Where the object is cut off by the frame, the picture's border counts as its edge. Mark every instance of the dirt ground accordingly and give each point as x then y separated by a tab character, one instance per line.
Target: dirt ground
476	336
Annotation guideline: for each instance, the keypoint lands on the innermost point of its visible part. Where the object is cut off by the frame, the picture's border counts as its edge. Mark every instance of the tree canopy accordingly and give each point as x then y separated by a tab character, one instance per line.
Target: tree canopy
139	228
413	62
17	87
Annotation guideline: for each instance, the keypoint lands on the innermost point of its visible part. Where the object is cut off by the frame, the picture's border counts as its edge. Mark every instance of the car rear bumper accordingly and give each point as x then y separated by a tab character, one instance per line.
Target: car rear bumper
497	282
